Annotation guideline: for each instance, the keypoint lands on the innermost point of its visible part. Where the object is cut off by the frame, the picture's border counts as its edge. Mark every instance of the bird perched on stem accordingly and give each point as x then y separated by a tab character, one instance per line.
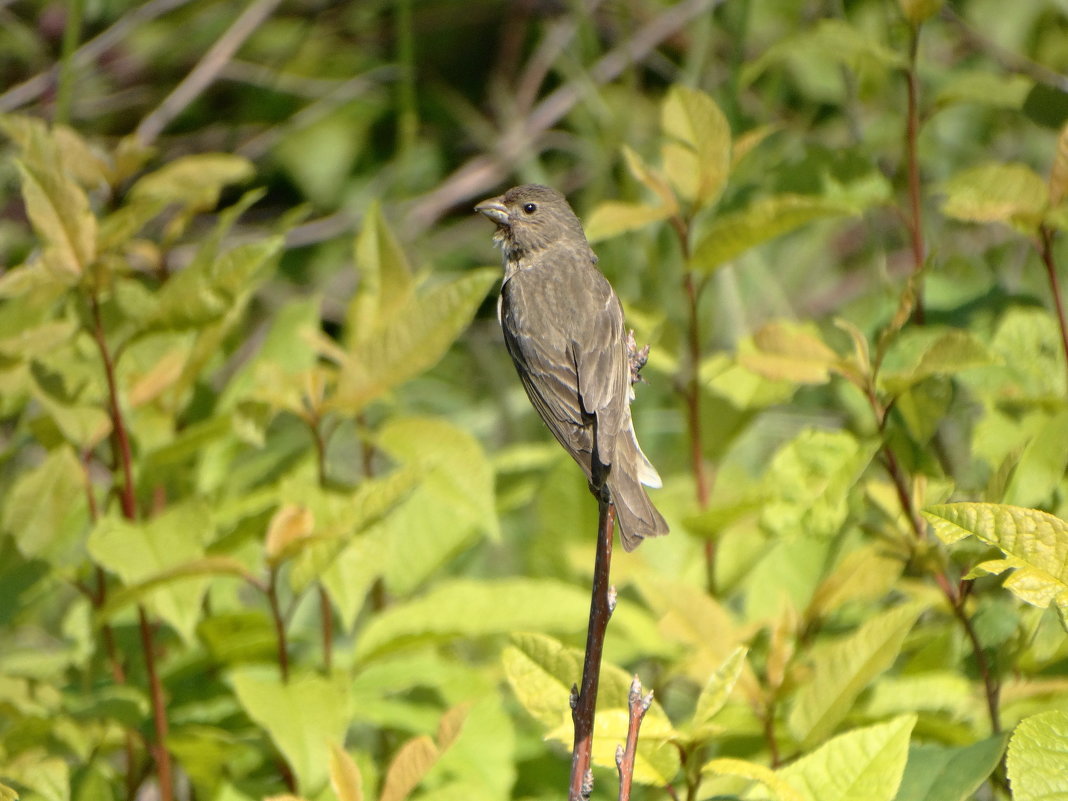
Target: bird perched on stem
563	326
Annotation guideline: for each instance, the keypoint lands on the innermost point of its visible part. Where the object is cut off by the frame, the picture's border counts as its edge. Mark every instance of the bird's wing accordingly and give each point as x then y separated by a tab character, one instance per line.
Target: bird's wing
547	368
603	372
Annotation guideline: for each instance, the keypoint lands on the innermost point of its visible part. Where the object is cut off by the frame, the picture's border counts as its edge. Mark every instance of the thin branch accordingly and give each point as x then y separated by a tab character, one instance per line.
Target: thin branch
486	171
1046	250
279	625
584	701
637	705
206	70
159	710
32	88
912	135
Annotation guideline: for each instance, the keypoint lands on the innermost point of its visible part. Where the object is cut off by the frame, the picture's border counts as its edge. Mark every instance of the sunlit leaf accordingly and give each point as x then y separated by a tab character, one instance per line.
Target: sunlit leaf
614	217
785	352
727	766
1058	176
412	340
950	353
194	181
651	178
136	552
304	718
1042	464
44	510
60	213
1038	752
861	765
1009	193
730	235
384	280
919	11
408	768
699	171
865	574
842	669
345	778
718	688
1035	545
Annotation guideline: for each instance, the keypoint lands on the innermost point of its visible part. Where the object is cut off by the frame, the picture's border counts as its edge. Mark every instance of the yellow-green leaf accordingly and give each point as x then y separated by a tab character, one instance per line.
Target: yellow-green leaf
345	778
1035	545
919	11
614	217
841	671
786	352
730	235
195	182
384	278
719	687
408	768
60	213
289	525
699	172
1038	754
727	766
1058	176
1010	193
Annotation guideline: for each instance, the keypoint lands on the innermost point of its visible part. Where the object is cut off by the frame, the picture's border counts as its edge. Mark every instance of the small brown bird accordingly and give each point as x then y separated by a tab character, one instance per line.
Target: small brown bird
563	326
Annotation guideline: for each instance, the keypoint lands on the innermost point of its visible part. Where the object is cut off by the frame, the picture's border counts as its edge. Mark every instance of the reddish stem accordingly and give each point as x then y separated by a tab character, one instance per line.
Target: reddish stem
637	706
279	625
1046	250
584	701
912	135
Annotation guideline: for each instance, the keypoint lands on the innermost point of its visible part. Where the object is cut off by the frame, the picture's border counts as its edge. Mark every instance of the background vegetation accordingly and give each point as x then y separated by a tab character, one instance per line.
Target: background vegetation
275	515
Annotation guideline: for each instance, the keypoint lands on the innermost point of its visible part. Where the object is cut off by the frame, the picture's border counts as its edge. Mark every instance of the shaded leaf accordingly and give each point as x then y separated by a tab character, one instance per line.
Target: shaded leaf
1058	176
45	508
934	773
953	352
987	88
1042	464
865	574
195	181
919	11
785	352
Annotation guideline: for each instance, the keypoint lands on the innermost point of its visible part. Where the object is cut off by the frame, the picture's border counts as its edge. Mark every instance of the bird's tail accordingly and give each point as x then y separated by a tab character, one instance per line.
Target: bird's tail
637	516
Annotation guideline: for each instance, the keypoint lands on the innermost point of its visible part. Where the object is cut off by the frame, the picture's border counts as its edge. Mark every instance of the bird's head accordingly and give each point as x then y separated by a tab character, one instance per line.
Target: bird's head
531	218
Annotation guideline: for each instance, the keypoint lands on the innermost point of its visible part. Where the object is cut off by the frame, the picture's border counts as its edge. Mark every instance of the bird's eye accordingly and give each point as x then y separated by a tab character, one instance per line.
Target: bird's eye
530	208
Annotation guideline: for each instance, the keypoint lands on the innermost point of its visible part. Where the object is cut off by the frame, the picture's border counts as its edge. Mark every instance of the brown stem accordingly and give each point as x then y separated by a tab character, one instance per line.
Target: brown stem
769	734
954	596
912	135
128	500
279	625
159	714
118	426
1046	250
326	614
692	391
584	701
637	705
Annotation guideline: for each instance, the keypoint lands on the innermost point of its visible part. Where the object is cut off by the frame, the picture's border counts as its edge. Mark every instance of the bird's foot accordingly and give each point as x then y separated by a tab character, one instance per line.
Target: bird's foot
637	357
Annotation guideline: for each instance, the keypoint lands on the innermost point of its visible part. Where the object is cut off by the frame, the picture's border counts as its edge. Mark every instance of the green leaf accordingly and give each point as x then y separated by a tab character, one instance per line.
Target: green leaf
730	235
411	340
1042	464
808	483
45	510
60	214
468	608
614	217
384	282
718	688
7	794
934	773
207	291
986	88
195	182
47	776
1038	752
137	552
787	352
1010	193
1035	544
699	168
345	778
305	718
541	671
952	352
861	765
1058	174
842	669
727	766
919	11
408	768
865	574
832	40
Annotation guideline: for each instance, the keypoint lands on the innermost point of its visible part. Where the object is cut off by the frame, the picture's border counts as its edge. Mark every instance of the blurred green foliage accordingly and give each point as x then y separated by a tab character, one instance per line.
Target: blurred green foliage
276	517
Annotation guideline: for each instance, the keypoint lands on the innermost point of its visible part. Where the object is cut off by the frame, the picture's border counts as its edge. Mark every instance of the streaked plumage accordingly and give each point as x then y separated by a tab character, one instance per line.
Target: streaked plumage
563	326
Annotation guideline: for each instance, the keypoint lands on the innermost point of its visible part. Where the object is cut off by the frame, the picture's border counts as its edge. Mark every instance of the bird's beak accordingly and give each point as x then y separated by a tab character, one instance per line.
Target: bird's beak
495	210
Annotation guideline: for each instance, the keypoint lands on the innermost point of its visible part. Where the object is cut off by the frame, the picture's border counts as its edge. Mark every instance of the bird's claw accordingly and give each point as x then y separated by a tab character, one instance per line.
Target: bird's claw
636	357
